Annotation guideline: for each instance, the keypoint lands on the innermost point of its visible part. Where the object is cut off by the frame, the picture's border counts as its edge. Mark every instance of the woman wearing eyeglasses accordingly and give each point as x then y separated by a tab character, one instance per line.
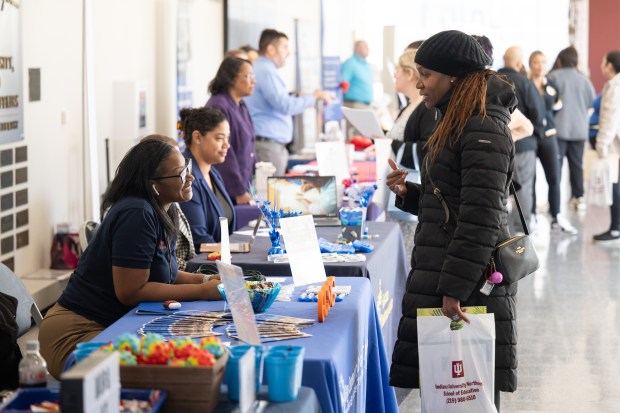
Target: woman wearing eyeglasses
131	258
234	81
206	132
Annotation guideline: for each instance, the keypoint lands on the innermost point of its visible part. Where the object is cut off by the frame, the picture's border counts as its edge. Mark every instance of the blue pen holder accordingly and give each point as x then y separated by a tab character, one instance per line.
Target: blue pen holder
232	369
283	368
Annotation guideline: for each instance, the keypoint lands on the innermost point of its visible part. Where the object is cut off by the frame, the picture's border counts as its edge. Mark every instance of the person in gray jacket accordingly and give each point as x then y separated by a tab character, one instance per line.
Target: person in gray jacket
572	122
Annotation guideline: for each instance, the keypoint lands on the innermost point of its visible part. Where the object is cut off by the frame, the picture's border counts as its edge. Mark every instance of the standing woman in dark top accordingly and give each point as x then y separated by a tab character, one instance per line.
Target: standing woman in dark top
233	81
206	132
471	161
547	147
131	258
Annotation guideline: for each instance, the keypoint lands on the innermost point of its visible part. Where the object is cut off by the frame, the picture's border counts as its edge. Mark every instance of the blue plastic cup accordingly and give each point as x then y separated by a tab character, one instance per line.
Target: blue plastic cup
283	368
231	377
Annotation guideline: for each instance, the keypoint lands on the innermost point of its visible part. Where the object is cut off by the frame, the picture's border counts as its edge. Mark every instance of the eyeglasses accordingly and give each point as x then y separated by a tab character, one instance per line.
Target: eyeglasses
182	175
250	76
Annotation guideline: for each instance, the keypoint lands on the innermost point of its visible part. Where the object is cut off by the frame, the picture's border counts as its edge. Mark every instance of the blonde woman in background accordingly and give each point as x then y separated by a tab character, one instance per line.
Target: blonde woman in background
405	78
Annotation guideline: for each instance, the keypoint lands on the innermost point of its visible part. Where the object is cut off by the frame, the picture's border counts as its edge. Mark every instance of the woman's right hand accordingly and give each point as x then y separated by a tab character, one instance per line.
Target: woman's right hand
396	180
210	291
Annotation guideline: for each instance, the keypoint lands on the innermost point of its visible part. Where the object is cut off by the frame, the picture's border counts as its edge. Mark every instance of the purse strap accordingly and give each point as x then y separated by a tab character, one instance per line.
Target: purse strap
448	210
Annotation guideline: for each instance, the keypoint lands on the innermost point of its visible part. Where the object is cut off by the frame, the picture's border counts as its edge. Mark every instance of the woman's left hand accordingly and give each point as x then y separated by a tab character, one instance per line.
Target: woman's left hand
451	308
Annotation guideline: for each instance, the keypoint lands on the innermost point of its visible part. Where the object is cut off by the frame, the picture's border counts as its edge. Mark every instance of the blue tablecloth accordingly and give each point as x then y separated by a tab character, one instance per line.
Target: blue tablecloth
345	360
386	267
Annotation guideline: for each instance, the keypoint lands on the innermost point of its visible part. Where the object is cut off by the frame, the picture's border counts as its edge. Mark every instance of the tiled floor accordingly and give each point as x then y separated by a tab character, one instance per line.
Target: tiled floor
569	325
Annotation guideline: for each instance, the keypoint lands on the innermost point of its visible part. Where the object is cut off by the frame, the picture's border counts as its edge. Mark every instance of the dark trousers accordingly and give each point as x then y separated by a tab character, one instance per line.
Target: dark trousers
573	151
615	206
549	159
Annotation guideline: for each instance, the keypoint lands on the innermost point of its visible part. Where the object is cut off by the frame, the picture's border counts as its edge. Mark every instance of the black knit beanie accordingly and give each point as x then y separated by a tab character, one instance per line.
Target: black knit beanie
452	53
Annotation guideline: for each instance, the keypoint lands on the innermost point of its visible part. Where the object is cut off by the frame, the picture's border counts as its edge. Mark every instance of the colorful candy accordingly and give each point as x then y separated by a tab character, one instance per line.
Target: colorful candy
129	342
213	345
154	349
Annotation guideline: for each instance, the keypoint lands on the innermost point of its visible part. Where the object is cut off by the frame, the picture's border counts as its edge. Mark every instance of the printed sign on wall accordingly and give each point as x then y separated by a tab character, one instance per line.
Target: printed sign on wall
11	109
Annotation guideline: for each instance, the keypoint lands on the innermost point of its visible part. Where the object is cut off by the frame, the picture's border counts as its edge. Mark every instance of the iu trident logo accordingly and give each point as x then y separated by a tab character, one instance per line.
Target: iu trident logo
457	369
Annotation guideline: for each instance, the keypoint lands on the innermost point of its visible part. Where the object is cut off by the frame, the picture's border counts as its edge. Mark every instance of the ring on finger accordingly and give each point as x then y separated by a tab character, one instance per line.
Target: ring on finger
456	317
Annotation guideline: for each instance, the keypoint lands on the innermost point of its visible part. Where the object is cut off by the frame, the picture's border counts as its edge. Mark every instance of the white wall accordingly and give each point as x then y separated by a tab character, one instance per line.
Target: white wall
124	50
51	39
132	40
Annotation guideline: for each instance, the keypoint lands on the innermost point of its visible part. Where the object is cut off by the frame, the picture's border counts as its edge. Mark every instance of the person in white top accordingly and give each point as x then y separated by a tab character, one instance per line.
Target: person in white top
608	137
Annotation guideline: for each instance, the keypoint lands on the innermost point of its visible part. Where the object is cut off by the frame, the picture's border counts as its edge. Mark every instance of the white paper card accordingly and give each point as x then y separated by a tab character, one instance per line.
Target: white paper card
302	249
225	241
364	121
332	160
247	382
239	302
383	149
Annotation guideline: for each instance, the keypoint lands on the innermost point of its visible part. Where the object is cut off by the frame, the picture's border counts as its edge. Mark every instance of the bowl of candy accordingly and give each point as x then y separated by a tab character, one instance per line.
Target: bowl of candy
262	294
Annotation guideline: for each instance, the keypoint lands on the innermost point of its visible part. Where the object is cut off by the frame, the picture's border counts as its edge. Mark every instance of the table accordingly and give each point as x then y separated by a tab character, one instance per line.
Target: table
246	213
386	267
345	360
306	402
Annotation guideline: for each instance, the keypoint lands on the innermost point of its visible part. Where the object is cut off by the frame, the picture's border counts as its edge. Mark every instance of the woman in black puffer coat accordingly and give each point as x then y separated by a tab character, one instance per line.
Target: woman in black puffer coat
470	159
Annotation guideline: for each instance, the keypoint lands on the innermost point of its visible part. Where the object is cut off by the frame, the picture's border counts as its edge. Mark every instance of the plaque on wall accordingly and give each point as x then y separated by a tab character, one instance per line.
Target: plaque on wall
21	218
6	223
21	239
6	157
6	245
6	202
11	85
6	179
21	175
21	154
21	197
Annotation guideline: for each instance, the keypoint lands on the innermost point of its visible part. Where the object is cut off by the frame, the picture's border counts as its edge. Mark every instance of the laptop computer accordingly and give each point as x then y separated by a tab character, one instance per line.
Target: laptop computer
234	246
310	195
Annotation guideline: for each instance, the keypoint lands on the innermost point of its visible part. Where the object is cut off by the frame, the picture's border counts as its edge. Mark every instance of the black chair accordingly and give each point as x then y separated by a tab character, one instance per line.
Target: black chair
87	232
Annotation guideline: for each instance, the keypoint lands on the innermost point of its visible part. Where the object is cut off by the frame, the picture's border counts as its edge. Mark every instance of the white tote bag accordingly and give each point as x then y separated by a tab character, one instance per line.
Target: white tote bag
602	172
457	367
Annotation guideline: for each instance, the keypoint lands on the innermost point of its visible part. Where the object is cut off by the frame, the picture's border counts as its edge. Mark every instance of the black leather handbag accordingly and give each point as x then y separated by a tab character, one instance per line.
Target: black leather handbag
515	257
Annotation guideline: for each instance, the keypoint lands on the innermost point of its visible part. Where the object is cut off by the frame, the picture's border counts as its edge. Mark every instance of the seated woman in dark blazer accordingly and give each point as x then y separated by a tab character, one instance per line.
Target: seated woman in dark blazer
206	133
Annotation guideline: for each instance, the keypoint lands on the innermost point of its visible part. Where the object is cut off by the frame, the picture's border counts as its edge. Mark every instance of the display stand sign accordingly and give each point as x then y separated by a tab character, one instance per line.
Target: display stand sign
93	385
247	384
302	248
383	150
11	82
332	160
239	302
331	82
225	241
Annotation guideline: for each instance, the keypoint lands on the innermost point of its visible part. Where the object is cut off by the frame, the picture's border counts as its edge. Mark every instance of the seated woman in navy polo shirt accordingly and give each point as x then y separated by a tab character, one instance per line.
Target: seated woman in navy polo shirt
206	132
131	258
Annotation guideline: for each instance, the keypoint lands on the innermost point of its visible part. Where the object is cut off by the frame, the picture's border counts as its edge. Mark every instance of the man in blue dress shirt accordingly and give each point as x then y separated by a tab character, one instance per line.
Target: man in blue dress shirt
271	107
357	71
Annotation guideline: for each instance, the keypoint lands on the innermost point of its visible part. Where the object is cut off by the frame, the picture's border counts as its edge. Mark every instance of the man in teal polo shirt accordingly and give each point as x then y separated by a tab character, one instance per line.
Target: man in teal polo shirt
357	71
